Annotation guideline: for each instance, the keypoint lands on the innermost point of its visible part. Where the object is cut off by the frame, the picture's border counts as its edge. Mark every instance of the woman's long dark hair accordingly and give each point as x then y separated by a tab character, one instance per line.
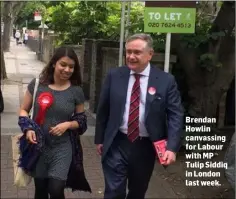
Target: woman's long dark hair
47	75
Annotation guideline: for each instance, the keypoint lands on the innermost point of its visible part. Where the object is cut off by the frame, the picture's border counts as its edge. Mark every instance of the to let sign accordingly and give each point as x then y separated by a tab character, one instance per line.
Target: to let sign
169	19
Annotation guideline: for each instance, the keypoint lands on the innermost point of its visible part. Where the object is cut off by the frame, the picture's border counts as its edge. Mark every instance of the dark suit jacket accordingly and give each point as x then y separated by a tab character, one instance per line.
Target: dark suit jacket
163	110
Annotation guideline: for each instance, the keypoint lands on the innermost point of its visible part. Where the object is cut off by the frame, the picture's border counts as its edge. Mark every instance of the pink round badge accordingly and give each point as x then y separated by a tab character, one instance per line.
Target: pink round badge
151	90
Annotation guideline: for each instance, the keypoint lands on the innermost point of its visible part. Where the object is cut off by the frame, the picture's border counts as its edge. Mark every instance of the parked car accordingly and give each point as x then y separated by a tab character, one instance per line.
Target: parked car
1	102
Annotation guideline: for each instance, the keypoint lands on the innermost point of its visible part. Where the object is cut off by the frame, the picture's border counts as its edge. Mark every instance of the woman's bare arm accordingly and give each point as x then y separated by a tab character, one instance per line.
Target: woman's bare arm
74	124
26	104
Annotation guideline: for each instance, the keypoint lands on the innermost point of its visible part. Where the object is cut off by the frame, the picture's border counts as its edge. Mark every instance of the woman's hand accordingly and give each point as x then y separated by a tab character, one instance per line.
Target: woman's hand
31	137
60	128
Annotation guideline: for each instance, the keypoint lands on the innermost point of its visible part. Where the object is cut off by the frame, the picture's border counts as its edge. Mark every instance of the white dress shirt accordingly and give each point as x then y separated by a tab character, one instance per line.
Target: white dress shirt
143	92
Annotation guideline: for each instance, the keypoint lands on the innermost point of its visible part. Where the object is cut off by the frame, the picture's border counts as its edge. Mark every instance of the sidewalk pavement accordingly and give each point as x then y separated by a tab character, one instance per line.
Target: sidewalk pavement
21	67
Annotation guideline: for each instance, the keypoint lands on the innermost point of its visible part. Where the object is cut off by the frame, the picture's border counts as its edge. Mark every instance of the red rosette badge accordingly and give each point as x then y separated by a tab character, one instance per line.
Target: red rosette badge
151	90
45	100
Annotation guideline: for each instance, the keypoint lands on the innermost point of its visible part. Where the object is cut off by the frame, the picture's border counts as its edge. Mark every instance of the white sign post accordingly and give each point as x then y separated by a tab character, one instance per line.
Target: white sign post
122	31
167	52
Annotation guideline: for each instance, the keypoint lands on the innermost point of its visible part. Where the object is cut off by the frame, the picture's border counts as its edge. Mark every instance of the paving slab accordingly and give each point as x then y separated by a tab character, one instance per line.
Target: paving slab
11	98
9	55
9	124
10	65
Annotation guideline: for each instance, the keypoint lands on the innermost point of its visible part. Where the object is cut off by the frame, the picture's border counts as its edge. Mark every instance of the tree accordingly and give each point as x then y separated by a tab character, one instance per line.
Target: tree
27	13
208	60
84	19
10	9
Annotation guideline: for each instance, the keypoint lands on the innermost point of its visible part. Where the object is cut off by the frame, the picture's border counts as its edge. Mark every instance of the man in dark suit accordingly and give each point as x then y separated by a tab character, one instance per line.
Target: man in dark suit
139	104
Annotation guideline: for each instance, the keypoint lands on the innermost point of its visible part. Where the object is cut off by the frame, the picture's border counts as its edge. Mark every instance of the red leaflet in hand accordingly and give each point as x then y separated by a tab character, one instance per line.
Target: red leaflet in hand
160	147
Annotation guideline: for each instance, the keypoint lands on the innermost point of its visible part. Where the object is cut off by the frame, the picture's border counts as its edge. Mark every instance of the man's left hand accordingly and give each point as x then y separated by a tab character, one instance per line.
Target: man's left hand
169	157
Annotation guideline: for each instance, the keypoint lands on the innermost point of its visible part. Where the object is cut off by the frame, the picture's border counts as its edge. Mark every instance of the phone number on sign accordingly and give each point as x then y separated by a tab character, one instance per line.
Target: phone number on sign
169	25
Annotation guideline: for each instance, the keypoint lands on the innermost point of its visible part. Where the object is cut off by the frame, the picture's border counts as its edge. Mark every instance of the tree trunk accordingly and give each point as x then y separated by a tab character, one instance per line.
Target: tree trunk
16	9
7	20
3	68
6	35
207	87
10	11
204	103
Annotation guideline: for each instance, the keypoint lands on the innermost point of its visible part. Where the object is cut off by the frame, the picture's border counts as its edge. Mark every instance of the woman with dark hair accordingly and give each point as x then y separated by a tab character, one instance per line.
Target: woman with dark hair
55	156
